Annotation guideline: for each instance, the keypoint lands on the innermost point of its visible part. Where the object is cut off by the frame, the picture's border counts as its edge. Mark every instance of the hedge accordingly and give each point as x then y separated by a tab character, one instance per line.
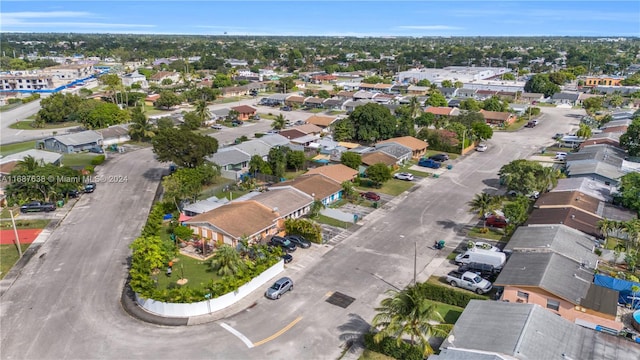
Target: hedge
98	160
389	346
447	295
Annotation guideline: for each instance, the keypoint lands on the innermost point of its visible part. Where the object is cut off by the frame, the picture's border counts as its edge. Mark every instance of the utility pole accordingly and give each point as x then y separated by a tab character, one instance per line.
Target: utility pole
415	260
15	231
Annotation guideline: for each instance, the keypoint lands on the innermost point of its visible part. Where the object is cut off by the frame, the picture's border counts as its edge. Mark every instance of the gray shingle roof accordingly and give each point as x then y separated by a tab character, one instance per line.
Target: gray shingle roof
527	331
396	150
565	96
80	138
274	140
589	167
287	200
254	147
554	273
230	156
586	186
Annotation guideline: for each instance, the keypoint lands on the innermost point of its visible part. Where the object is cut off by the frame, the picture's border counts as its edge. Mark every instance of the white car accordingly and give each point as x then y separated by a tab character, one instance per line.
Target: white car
404	176
481	147
217	127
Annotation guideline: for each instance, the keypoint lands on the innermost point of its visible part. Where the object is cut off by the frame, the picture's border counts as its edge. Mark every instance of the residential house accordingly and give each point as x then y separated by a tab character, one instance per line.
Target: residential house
308	129
287	201
417	146
203	206
584	202
323	78
41	156
612	139
255	147
576	219
245	112
418	90
292	133
519	109
602	162
345	95
333	104
571	141
532	98
135	78
71	143
274	100
449	92
160	76
559	239
585	185
616	129
336	172
307	141
466	93
383	98
220	114
313	102
592	81
318	186
377	157
224	224
616	123
493	330
485	94
401	153
561	284
363	95
232	161
565	98
321	121
295	101
597	170
273	140
116	134
376	88
454	103
498	118
439	111
150	100
350	106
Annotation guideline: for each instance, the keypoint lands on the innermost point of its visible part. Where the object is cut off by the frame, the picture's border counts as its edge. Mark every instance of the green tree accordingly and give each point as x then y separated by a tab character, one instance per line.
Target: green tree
447	84
373	122
459	84
58	108
295	159
29	163
222	80
436	99
495	104
521	175
279	122
165	123
227	261
483	202
540	83
630	140
324	94
409	312
149	254
258	165
584	131
278	160
98	114
140	129
351	159
202	111
286	84
470	104
414	107
558	78
425	119
167	100
605	225
192	121
615	100
508	76
378	173
348	189
517	210
424	82
592	104
482	130
629	191
315	209
183	147
343	130
112	82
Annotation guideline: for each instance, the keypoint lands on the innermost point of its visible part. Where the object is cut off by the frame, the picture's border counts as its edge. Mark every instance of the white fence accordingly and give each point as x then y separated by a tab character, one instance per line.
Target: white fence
213	305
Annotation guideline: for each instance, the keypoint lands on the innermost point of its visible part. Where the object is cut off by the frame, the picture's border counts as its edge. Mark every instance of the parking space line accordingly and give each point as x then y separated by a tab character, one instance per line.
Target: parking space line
282	331
238	334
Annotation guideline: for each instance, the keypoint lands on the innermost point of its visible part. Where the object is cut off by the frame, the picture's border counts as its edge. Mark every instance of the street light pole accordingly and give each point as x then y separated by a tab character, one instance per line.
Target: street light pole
15	231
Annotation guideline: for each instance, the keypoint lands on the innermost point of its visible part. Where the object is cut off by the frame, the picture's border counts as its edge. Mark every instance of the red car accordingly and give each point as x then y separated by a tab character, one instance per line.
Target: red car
496	221
370	196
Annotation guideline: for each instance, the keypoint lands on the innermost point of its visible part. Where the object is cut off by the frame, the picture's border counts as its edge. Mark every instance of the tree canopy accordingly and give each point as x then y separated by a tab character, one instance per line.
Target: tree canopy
372	122
167	100
183	147
351	159
629	191
378	173
540	83
630	140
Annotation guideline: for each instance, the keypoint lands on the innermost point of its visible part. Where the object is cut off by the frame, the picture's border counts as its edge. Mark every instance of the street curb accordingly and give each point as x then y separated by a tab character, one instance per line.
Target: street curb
131	307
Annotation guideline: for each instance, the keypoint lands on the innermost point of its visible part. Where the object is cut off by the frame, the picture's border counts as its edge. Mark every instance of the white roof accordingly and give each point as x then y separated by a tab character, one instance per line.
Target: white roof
48	157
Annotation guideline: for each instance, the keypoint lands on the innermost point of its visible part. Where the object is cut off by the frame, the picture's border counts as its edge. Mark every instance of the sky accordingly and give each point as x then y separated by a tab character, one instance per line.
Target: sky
327	17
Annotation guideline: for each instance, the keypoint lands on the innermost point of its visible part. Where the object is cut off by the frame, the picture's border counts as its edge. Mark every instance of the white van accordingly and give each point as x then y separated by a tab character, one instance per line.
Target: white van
475	255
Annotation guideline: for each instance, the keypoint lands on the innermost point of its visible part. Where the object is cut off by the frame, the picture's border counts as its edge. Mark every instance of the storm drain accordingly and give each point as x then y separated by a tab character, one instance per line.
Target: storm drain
340	299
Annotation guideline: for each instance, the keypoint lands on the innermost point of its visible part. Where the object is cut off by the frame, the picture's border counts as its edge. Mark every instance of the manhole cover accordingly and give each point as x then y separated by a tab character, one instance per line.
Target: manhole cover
340	299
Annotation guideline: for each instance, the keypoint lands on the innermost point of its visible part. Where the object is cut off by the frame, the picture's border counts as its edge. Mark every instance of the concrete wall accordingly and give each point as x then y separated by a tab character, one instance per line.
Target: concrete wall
213	305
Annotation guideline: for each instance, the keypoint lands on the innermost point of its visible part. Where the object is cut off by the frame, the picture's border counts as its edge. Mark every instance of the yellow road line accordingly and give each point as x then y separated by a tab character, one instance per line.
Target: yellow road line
282	331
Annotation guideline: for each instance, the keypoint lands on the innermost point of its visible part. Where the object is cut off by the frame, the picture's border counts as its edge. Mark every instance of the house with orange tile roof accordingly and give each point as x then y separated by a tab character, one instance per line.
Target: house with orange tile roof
245	112
498	118
320	187
378	157
442	111
226	224
336	172
321	121
417	146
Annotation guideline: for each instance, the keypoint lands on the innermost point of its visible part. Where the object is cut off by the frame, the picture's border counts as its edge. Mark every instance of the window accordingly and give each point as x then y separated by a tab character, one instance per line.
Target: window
523	295
553	305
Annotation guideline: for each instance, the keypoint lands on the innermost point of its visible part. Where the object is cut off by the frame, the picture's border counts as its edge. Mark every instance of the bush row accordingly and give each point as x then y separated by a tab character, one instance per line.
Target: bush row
98	160
389	346
447	295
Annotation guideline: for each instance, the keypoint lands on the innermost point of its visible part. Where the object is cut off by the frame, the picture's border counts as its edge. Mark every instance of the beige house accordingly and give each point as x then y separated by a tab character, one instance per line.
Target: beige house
417	146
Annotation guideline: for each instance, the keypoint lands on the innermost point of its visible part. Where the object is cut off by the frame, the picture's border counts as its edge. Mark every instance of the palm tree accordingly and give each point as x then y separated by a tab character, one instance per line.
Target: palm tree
279	122
227	261
483	202
348	189
605	226
202	111
549	178
316	206
408	312
632	228
140	128
29	163
584	131
414	106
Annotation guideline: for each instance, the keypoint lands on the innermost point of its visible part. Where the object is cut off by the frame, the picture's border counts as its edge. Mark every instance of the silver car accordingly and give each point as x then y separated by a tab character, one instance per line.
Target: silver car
279	287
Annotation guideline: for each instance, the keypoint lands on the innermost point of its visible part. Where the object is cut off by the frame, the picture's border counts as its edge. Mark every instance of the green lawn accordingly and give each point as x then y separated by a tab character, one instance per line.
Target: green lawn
289	175
9	106
228	194
449	313
28	125
372	355
9	149
517	125
336	112
150	111
78	160
452	156
195	270
23	224
392	187
331	221
492	234
316	111
9	256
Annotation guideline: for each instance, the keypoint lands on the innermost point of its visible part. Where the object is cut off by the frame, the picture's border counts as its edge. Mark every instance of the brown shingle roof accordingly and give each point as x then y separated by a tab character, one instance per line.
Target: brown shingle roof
408	141
615	129
161	75
495	115
439	110
574	199
377	157
314	100
292	133
337	172
576	219
244	109
232	218
8	167
316	185
308	128
295	99
322	121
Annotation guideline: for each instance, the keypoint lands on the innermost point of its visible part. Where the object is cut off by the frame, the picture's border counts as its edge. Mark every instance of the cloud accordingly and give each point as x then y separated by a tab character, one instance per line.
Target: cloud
429	27
25	19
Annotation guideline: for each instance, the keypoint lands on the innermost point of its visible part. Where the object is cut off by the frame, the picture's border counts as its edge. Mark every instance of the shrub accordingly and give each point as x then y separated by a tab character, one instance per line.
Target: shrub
258	135
98	160
447	295
598	252
389	346
89	169
14	101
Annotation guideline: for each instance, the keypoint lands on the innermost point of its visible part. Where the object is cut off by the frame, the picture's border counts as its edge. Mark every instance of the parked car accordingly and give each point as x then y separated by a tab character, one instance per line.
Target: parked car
273	131
299	241
37	206
493	258
439	157
482	245
217	127
531	124
404	176
96	150
484	270
285	108
496	221
90	187
285	244
299	122
532	195
236	123
287	258
429	163
482	147
470	281
370	195
561	156
72	194
279	288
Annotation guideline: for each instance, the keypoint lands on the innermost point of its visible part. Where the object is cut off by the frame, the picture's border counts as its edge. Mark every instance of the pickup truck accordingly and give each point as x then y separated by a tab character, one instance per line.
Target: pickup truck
429	163
469	281
36	206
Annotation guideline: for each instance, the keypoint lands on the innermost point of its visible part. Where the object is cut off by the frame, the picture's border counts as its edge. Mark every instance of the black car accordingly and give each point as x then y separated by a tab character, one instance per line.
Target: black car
483	270
299	241
89	187
439	157
285	244
71	194
285	108
287	258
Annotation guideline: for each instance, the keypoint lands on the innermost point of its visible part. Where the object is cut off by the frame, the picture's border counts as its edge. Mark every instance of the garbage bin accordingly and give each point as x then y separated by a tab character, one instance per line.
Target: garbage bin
60	203
436	176
375	205
449	167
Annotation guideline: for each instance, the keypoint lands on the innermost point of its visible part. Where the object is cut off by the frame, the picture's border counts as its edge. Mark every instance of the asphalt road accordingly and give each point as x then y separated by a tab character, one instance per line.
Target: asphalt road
65	305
